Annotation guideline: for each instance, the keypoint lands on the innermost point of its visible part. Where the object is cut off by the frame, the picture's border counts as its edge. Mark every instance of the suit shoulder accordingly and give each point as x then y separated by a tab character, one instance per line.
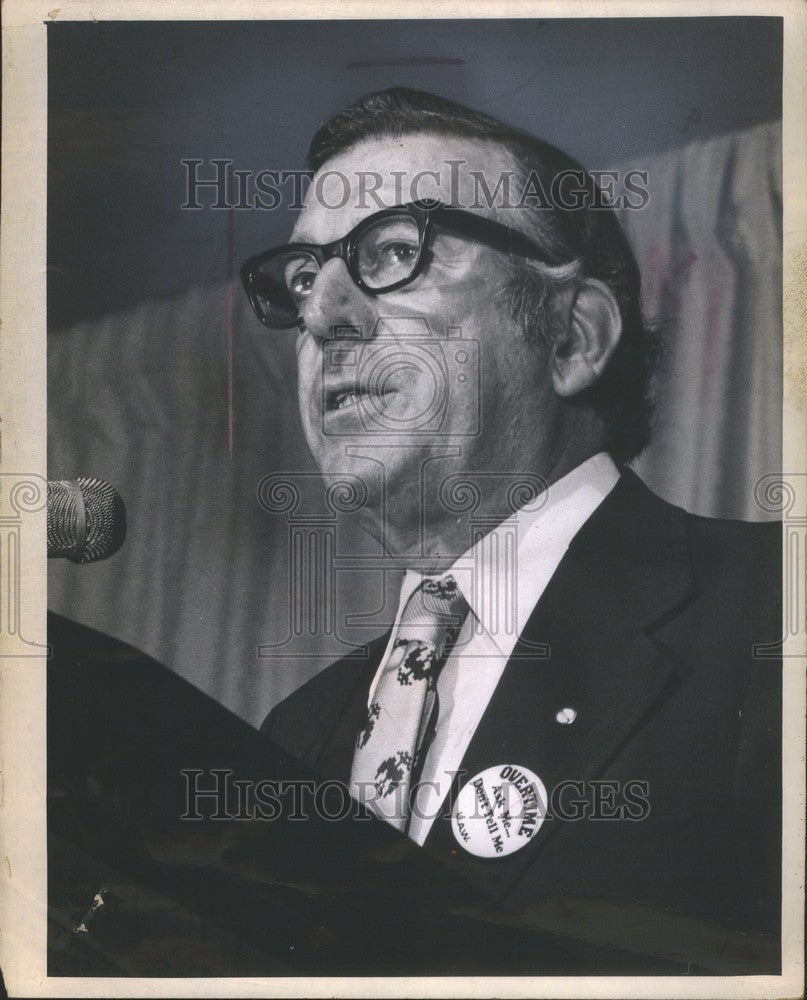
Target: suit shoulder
733	529
737	567
714	543
725	532
754	544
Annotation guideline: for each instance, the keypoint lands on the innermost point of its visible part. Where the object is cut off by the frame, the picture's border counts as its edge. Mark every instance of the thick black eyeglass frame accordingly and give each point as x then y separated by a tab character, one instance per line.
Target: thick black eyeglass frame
426	213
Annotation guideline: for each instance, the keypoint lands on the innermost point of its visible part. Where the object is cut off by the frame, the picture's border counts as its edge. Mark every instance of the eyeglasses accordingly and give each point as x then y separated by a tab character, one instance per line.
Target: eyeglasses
385	251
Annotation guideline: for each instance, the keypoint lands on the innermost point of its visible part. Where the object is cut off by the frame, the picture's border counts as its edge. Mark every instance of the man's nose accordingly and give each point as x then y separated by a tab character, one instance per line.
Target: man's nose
335	301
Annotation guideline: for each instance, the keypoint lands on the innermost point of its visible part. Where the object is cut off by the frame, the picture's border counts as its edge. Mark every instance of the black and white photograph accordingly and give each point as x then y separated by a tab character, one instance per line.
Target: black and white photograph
419	494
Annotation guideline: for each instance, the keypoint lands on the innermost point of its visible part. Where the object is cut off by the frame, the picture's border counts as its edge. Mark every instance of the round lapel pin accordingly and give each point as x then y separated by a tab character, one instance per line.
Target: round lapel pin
499	811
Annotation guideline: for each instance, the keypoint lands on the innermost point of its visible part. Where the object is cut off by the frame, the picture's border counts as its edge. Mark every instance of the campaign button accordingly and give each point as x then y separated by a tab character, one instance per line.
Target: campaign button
499	811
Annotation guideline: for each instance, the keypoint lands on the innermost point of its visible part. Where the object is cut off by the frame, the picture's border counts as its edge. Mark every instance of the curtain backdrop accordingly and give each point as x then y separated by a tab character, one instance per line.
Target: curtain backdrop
145	399
709	245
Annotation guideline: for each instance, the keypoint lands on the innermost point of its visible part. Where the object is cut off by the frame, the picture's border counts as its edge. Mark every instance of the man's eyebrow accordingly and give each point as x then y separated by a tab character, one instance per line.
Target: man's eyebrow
300	234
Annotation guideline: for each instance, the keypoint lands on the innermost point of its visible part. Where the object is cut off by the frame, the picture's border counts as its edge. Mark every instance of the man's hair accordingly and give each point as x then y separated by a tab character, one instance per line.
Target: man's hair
589	240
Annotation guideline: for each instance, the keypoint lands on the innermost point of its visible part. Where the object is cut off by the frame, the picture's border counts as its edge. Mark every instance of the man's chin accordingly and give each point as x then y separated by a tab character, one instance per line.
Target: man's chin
371	469
348	457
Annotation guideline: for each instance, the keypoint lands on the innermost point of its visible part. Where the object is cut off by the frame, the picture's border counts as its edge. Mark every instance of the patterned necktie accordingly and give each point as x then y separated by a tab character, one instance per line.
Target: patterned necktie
405	700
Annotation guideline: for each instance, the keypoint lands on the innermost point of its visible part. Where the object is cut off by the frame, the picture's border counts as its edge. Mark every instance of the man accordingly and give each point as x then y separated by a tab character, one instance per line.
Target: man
567	709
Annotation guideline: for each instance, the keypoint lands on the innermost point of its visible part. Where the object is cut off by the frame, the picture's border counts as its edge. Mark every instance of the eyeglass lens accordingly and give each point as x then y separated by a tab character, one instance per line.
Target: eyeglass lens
386	252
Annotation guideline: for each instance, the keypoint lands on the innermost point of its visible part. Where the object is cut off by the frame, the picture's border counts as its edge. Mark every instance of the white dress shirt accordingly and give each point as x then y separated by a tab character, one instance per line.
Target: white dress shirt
502	577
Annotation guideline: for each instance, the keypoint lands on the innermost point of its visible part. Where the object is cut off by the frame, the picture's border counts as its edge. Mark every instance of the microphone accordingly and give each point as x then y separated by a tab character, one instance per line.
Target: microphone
86	520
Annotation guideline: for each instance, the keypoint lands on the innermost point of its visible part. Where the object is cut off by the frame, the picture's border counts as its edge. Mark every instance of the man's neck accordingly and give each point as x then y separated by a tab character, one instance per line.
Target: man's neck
435	544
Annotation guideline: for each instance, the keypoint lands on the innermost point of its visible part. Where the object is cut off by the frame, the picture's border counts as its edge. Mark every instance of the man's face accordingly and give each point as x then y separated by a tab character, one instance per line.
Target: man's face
442	380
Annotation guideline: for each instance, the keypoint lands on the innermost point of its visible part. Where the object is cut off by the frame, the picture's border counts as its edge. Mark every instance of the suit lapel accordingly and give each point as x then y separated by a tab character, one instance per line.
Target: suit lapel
626	572
345	712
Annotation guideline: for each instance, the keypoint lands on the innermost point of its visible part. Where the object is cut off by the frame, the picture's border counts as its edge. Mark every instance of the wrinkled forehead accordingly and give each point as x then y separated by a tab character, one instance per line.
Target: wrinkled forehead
381	173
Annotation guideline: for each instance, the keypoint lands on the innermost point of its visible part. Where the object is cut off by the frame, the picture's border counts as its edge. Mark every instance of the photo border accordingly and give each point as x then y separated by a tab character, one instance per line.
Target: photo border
23	900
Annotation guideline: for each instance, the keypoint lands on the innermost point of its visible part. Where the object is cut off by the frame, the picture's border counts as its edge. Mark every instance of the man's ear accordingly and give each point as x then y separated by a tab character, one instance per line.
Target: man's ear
581	351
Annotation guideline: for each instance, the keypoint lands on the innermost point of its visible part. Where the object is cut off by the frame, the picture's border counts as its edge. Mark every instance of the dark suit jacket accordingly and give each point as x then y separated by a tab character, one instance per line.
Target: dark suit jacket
649	625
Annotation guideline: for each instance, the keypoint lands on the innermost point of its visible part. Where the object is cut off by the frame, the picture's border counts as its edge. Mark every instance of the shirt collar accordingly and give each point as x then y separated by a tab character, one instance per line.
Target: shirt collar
504	573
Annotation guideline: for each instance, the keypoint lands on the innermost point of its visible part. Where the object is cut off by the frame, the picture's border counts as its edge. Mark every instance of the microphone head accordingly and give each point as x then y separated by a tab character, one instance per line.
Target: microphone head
86	520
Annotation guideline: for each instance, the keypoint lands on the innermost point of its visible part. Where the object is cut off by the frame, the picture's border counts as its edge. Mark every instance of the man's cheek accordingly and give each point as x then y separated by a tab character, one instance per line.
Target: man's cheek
304	398
306	380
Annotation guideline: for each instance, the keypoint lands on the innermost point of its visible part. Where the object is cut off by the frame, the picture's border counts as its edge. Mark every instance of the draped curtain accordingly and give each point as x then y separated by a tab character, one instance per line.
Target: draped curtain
709	245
